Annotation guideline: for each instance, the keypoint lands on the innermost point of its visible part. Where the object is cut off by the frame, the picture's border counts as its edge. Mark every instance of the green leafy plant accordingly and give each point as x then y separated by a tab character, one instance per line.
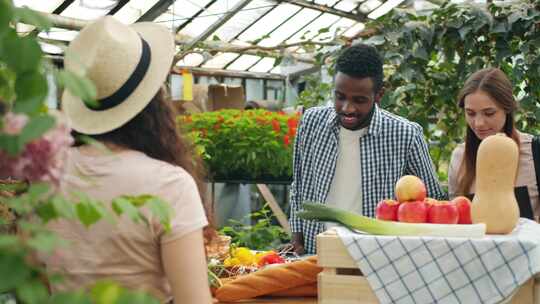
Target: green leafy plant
316	92
237	144
262	235
429	58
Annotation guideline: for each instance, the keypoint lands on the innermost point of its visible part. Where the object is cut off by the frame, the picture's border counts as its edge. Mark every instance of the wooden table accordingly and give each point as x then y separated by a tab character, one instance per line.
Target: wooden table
279	300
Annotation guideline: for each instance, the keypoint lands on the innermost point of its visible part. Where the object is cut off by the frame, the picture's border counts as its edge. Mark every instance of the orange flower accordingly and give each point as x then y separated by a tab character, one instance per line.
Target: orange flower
275	125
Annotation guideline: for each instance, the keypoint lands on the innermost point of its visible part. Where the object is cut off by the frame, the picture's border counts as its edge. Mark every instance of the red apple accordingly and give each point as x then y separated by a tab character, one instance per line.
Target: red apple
463	205
410	188
443	212
430	202
387	210
412	212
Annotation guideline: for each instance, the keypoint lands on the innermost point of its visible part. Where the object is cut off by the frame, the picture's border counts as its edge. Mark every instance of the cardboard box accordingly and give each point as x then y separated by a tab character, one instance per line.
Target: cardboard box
341	282
214	97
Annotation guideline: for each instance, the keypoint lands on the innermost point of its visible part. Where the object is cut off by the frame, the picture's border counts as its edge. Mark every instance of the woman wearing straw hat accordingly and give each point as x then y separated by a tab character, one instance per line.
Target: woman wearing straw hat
144	155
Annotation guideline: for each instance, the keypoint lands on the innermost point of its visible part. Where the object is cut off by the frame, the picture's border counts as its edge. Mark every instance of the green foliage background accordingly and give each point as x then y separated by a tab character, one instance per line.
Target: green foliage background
428	58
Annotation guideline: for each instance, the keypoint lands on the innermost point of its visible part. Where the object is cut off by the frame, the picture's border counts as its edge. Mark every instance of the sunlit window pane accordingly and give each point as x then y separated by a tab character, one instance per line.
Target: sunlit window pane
269	22
79	10
290	27
346	6
220	61
191	59
243	63
133	10
180	12
208	17
59	34
248	15
354	30
263	66
312	30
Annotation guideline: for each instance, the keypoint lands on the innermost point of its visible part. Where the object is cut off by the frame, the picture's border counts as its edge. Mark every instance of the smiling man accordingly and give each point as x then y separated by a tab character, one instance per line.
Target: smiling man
351	155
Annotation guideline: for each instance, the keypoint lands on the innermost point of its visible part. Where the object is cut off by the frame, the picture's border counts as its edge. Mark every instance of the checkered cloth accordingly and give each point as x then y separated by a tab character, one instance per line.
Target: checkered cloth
446	270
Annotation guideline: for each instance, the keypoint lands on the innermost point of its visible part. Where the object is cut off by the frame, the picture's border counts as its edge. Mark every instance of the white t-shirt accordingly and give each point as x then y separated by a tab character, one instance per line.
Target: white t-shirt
346	189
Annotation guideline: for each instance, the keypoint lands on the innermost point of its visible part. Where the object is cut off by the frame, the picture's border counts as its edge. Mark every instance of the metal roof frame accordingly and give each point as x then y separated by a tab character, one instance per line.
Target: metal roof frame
199	38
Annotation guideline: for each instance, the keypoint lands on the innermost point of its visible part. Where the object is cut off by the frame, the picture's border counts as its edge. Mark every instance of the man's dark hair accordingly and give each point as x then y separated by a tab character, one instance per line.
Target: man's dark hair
360	61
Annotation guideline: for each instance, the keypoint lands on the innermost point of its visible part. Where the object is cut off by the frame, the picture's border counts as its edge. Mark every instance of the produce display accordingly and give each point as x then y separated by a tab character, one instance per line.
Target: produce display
295	278
237	273
494	202
412	205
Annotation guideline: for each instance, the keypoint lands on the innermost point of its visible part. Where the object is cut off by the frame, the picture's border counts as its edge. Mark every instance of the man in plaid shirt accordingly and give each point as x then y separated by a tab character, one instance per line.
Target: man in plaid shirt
351	155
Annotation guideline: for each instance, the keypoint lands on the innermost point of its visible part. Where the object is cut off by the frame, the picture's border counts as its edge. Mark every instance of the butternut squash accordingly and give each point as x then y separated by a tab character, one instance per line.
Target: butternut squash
494	202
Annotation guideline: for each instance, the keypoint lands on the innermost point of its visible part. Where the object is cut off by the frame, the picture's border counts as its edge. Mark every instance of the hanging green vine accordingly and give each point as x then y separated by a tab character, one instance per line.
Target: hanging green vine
430	57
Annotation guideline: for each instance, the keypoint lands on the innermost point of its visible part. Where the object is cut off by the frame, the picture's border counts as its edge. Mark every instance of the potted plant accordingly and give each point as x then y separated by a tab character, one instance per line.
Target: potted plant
244	144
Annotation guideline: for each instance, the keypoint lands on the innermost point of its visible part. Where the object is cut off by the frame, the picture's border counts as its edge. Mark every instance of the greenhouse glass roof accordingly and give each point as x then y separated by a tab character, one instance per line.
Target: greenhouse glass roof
234	35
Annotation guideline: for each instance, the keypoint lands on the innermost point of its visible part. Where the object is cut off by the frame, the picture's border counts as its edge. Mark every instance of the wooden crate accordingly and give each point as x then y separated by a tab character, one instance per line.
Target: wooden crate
341	282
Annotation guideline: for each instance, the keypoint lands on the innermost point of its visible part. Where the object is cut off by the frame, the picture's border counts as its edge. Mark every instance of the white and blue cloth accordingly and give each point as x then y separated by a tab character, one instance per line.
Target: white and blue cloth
406	270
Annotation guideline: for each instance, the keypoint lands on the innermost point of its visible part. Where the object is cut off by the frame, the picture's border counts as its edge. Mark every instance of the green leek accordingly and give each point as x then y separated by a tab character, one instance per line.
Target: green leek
320	212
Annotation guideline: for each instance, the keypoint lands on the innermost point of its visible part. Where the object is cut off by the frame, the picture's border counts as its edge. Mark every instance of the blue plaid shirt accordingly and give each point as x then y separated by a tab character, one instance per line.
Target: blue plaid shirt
391	148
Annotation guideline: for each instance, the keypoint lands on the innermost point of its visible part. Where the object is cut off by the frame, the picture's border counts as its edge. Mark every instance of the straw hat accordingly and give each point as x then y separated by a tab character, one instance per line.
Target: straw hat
127	64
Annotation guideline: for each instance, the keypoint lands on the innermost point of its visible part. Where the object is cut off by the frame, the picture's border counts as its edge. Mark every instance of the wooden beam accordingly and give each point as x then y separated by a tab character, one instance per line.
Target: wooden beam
67	23
156	10
211	29
226	73
326	9
274	206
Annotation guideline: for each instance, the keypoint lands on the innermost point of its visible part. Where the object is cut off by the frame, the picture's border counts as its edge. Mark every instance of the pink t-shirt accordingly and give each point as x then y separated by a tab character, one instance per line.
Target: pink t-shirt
124	251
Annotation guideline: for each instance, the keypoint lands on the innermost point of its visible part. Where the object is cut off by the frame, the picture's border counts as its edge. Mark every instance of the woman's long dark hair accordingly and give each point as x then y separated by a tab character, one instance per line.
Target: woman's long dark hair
496	84
154	132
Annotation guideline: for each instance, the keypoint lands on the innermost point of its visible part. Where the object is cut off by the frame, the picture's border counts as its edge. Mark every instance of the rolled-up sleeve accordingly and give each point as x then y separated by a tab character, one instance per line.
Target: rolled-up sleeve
296	187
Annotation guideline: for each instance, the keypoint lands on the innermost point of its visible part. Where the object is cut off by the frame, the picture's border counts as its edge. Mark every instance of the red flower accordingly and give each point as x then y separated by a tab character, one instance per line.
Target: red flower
275	125
292	132
292	122
217	126
286	140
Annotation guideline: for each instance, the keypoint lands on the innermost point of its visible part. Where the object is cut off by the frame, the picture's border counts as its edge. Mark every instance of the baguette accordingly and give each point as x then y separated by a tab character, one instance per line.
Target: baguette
308	290
270	280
